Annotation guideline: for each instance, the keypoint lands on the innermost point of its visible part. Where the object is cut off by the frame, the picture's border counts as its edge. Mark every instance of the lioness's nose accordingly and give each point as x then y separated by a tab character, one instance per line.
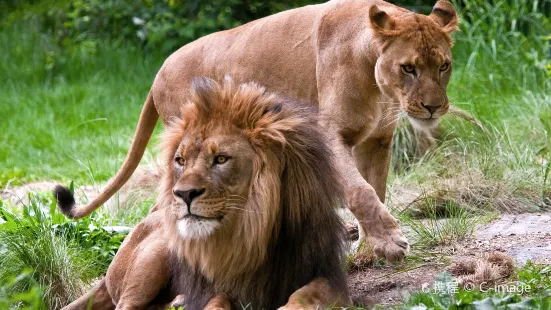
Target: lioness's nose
189	195
431	108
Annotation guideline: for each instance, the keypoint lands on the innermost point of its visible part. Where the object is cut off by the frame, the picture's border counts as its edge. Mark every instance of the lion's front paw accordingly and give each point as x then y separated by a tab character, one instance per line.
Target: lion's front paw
298	306
384	237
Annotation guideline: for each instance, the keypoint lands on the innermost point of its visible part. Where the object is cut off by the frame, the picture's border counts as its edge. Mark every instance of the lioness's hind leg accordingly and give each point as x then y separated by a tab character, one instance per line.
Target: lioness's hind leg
97	298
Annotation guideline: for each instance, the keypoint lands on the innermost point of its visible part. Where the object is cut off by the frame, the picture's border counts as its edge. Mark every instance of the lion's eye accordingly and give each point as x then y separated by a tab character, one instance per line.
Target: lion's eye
444	67
180	161
408	69
220	159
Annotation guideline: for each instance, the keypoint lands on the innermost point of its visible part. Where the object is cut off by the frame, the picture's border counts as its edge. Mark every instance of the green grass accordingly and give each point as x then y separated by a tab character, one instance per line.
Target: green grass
436	228
67	115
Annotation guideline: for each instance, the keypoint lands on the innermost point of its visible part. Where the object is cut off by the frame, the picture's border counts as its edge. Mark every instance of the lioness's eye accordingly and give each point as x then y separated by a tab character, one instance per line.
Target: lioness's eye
444	67
220	159
180	161
408	69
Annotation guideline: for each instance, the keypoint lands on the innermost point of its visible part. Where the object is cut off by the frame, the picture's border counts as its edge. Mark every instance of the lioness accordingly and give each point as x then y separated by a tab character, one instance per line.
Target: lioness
359	61
247	212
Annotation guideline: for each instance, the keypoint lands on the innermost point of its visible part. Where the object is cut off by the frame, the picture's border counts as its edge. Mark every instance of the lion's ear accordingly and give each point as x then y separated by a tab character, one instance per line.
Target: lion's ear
204	92
276	108
380	20
444	14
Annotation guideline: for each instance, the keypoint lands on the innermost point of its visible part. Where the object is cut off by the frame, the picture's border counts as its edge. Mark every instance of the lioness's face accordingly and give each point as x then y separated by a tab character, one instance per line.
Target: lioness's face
415	71
212	176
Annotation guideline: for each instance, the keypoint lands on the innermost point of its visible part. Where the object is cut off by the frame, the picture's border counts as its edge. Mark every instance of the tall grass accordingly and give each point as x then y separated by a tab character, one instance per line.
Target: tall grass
442	225
58	256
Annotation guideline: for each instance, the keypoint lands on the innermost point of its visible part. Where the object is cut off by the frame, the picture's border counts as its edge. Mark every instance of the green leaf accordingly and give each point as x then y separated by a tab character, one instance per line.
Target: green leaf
485	304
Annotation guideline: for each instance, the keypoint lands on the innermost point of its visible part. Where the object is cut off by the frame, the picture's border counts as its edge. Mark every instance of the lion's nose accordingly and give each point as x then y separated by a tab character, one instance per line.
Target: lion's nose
431	108
189	195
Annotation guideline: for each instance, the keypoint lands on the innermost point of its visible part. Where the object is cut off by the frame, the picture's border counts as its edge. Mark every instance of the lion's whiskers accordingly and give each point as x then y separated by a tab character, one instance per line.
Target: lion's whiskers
234	208
233	196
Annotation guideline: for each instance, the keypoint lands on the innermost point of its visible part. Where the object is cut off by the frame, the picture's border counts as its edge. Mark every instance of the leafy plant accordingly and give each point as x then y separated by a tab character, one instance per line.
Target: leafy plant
535	276
29	299
62	255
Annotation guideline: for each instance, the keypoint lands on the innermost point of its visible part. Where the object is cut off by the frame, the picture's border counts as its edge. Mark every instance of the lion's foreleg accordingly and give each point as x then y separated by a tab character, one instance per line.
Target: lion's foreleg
147	274
317	294
372	158
218	302
97	298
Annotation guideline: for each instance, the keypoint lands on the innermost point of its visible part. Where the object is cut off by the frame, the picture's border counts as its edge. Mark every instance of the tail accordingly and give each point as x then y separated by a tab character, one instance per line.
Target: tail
146	124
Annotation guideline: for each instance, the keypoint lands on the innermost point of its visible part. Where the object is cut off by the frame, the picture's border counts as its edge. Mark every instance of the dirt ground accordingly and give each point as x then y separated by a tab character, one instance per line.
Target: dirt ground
523	237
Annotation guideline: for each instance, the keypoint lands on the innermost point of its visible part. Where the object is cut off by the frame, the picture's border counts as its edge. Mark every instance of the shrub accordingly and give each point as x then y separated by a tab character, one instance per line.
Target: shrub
163	25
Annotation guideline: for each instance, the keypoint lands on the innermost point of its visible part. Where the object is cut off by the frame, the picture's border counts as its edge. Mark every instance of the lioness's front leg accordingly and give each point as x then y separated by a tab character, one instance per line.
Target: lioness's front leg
317	294
372	158
381	229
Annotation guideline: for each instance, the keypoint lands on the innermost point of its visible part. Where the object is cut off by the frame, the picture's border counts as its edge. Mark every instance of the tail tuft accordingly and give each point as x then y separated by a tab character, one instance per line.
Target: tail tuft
65	200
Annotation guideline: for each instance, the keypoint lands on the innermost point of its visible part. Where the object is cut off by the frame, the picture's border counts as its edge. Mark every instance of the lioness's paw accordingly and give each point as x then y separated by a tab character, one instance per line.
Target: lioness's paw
393	248
385	238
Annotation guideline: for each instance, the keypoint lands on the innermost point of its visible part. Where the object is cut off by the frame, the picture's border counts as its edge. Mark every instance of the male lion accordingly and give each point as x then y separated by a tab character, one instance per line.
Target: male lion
359	61
247	211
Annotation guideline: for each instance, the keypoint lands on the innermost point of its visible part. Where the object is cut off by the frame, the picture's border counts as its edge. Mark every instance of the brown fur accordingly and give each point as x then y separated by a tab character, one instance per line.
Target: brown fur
344	56
283	243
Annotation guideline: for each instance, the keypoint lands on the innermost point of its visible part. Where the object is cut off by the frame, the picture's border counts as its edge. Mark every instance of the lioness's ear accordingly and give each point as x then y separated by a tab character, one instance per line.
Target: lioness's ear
444	14
379	19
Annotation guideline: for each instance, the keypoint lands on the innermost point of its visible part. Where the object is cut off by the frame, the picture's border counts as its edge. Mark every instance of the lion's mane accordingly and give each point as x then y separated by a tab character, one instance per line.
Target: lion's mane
290	232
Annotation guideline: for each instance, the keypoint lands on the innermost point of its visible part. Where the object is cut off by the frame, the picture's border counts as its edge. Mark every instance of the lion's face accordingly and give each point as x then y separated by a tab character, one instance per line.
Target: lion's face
212	176
415	62
248	175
